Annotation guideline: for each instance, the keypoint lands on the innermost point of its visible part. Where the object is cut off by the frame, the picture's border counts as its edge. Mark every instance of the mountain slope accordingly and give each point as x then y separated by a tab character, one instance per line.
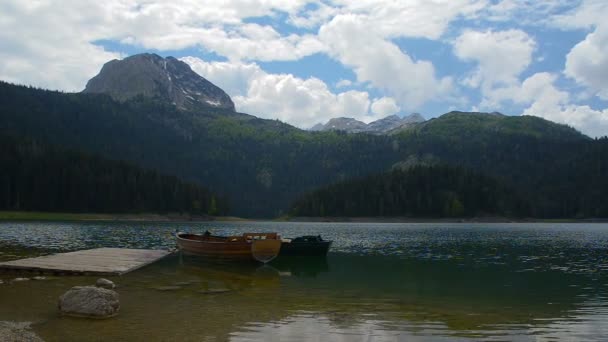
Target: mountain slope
473	125
420	191
150	75
37	176
263	165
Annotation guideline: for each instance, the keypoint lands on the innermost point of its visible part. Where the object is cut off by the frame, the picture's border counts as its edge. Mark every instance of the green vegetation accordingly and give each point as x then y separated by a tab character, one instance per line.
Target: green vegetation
263	166
50	216
420	191
39	177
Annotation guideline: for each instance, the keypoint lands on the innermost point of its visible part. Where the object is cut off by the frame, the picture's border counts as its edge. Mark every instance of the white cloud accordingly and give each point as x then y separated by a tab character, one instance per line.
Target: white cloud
385	106
589	121
344	83
501	56
52	44
301	102
41	47
233	77
381	62
409	18
587	62
542	98
587	15
525	12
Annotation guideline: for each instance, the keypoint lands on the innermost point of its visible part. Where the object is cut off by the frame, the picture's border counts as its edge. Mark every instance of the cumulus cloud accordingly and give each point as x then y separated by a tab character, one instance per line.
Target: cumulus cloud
61	40
385	106
233	77
52	45
587	62
381	62
501	56
344	83
40	46
301	102
409	18
543	98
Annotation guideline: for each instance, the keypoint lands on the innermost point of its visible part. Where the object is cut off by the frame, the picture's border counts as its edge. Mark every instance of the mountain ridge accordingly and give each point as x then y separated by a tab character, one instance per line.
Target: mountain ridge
381	126
150	75
262	165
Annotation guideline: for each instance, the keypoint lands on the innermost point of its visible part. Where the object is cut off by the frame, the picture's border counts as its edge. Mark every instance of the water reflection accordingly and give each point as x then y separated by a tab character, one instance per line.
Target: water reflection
393	283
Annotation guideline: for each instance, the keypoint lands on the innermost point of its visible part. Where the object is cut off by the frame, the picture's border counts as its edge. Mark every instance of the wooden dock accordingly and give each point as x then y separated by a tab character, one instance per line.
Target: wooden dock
99	261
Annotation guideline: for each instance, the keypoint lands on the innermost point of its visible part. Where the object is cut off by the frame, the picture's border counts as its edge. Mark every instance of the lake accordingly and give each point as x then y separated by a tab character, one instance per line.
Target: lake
380	282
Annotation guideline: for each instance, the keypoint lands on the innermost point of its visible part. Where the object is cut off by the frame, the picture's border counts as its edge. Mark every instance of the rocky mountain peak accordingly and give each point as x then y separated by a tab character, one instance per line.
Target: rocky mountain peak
151	75
382	126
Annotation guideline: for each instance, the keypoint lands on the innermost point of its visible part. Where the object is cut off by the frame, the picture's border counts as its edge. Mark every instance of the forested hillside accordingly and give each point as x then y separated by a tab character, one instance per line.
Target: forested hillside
262	166
36	176
420	191
441	191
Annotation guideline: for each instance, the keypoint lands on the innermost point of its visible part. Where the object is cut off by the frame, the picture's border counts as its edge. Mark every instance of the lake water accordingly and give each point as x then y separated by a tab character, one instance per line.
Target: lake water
380	282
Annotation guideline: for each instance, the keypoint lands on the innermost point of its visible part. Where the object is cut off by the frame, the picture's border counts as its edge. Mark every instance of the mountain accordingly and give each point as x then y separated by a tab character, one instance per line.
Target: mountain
150	75
262	166
394	122
349	125
476	126
382	126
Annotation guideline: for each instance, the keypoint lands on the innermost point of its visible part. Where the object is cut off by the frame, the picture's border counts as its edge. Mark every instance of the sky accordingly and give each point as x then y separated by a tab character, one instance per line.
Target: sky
305	62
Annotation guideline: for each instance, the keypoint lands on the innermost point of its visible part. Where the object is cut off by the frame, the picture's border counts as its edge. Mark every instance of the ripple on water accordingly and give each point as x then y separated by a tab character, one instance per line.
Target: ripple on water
381	281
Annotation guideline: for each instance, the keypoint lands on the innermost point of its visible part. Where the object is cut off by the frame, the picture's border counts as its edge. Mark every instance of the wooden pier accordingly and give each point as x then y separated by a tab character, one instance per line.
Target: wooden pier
99	261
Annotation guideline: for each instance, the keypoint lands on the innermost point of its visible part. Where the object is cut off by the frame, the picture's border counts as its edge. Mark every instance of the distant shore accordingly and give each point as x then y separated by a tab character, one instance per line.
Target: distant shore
152	217
439	220
177	217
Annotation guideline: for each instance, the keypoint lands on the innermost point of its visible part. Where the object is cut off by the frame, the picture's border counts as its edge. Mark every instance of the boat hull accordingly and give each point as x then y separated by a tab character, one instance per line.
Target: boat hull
305	248
234	247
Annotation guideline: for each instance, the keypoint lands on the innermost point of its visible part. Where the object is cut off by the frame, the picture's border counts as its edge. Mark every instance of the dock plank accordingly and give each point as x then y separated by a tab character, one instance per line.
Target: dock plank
102	261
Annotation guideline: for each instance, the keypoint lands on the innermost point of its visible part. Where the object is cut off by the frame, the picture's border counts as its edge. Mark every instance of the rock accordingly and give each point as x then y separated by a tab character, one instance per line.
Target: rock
167	79
182	283
1	282
382	126
214	291
18	332
20	279
168	288
89	301
39	278
105	283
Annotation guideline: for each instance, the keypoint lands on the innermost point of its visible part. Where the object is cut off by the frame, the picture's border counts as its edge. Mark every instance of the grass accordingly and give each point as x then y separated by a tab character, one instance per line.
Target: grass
47	216
52	216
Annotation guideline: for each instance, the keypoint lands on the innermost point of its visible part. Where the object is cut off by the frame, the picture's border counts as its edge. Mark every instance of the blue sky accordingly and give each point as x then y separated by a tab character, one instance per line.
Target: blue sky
304	62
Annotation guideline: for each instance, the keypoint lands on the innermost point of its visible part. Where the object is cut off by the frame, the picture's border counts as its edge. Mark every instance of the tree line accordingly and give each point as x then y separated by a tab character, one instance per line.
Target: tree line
40	177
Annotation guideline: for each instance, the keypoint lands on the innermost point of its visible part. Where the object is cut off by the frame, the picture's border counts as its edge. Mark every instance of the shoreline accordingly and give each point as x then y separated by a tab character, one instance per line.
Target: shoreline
437	220
141	217
176	217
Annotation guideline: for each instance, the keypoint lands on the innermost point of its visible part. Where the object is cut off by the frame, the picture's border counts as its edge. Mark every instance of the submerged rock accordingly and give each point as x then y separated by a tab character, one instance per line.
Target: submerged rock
105	283
214	291
182	283
89	301
18	332
168	288
1	282
39	278
20	279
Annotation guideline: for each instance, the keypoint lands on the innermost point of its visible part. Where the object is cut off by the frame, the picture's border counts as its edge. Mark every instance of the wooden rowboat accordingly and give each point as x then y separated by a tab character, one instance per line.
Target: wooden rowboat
262	247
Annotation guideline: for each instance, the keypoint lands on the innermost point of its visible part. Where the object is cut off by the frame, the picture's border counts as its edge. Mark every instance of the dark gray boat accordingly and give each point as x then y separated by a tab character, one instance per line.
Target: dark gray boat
308	245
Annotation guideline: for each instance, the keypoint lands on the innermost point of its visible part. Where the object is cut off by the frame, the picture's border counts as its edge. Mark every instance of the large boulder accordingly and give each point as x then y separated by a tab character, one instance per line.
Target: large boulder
17	332
89	301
